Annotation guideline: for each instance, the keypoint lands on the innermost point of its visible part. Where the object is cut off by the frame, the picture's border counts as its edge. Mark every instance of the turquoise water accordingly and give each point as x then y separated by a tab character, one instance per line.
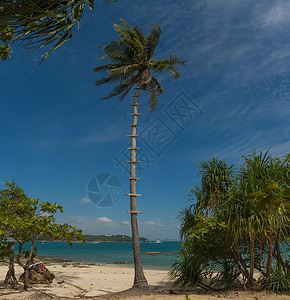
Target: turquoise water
110	252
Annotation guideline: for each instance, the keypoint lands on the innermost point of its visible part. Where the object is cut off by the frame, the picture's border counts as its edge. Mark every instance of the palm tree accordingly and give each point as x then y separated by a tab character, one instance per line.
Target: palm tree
131	62
253	218
245	224
216	178
267	174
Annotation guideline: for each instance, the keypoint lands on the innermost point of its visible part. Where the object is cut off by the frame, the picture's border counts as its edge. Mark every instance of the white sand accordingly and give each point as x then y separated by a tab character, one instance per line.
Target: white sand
91	281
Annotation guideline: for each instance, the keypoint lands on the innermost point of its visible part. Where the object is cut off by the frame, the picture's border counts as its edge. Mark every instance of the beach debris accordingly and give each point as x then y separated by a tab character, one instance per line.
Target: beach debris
61	282
38	274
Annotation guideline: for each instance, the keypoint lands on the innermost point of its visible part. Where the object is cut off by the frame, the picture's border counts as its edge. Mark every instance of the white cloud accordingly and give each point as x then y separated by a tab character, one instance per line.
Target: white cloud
148	223
105	220
278	14
95	226
45	214
86	200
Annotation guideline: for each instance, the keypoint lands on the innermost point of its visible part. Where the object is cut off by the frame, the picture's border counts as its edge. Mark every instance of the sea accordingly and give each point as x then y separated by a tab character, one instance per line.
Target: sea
111	253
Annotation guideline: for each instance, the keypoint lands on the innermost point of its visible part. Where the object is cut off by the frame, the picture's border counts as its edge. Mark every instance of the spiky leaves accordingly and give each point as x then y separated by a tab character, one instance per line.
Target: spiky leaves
37	24
130	57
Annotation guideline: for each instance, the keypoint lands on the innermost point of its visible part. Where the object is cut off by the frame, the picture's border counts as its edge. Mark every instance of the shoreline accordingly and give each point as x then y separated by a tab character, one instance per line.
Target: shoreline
48	260
86	280
157	257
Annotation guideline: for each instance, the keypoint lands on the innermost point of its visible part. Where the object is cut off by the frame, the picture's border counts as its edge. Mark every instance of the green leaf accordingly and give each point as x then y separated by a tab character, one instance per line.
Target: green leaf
257	194
132	56
271	187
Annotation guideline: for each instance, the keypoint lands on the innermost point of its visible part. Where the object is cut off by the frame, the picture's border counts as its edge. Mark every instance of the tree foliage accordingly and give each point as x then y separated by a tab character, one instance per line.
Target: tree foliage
5	247
238	221
130	57
34	24
27	220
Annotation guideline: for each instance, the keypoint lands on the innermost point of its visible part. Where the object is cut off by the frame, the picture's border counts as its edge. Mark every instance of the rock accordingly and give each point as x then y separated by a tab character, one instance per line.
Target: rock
38	275
157	253
61	282
51	260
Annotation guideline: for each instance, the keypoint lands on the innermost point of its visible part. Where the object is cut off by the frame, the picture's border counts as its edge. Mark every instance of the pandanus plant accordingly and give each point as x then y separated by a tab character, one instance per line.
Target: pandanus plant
131	63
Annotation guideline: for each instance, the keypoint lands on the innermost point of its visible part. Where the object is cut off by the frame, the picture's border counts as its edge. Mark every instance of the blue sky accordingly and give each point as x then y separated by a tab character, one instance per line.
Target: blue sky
56	135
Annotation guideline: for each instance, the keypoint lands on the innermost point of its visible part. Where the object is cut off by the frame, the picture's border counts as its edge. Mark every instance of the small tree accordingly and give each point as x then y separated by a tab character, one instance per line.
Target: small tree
9	207
26	220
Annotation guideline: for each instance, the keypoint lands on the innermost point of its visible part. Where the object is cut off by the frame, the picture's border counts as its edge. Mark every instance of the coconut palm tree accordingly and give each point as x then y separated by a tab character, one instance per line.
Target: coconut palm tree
131	63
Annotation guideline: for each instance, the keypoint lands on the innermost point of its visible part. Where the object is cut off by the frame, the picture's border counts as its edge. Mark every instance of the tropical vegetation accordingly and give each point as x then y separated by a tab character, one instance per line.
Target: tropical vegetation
131	62
34	24
25	220
236	226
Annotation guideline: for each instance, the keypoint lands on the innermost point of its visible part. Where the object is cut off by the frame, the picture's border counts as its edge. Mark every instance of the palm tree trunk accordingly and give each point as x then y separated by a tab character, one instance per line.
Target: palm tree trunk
270	253
278	254
139	278
252	259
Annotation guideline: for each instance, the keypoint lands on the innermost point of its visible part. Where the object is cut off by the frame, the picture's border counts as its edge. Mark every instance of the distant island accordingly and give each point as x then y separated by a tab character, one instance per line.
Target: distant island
110	238
100	238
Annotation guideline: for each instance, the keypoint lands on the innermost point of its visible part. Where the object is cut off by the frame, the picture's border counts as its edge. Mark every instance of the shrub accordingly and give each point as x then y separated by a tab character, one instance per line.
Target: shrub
277	282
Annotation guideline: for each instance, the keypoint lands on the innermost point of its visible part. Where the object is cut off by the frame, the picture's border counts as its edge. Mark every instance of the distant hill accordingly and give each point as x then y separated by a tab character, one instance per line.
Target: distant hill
110	238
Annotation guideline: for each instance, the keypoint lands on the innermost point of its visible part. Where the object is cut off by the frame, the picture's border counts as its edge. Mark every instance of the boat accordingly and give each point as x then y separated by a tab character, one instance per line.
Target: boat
158	242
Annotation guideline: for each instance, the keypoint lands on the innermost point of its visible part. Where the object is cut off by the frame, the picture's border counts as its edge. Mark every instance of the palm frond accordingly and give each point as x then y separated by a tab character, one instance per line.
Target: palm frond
159	87
140	35
40	23
151	41
107	67
121	89
103	81
118	90
118	69
124	71
168	65
155	89
115	51
110	79
130	57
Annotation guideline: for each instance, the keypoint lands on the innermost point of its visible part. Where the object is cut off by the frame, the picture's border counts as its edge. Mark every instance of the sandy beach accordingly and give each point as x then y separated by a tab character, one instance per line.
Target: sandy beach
75	280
